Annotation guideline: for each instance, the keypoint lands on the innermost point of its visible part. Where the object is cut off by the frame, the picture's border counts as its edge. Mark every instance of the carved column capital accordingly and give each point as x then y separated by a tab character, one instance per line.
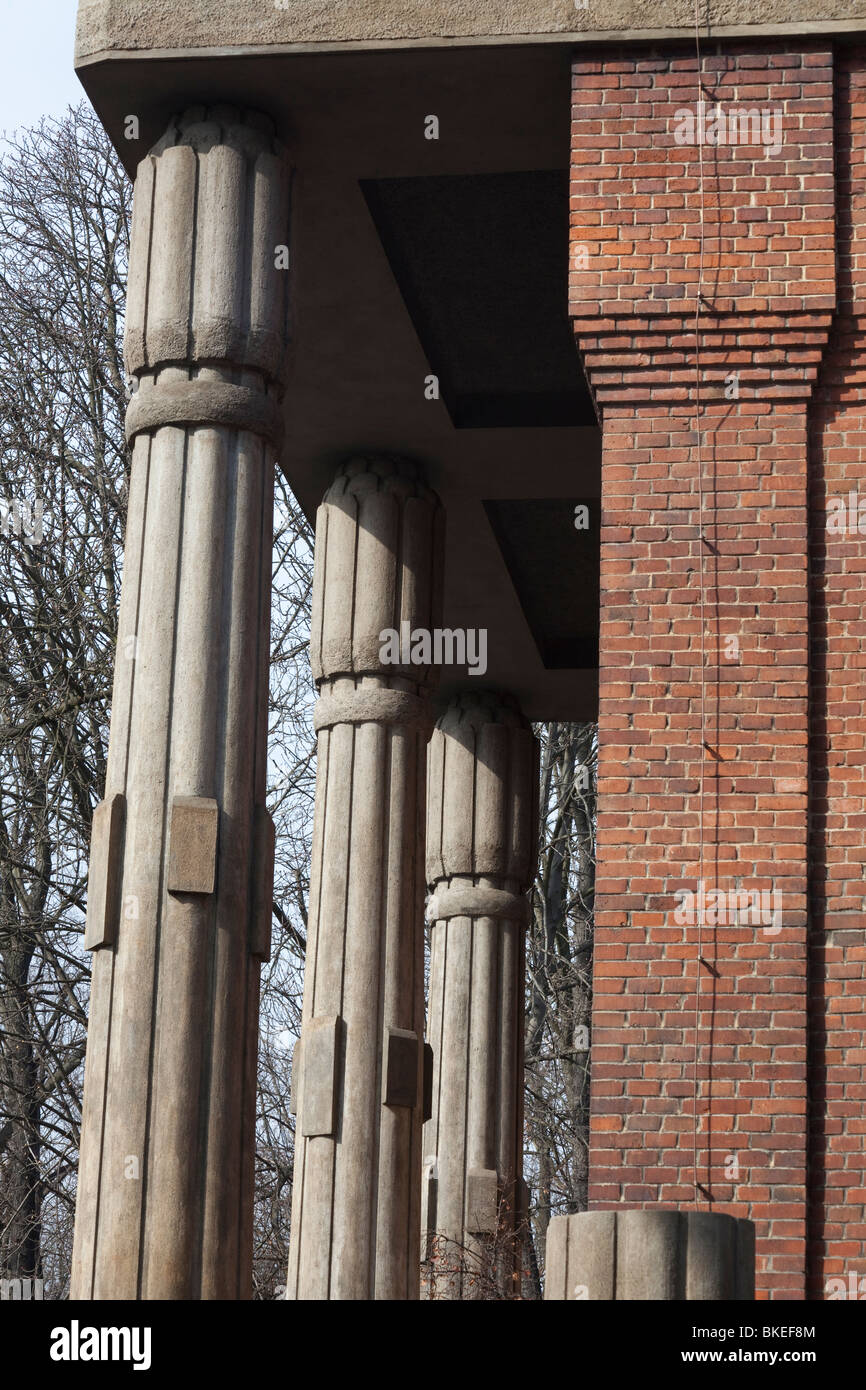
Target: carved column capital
379	535
206	311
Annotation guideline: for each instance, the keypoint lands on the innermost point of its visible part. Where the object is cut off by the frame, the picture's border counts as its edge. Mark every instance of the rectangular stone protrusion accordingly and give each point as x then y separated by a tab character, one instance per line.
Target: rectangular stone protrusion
428	1082
264	844
295	1091
319	1059
482	1201
400	1071
429	1200
192	848
103	878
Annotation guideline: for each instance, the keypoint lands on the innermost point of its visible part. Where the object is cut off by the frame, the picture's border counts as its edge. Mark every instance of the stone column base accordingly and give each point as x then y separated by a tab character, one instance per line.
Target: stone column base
647	1255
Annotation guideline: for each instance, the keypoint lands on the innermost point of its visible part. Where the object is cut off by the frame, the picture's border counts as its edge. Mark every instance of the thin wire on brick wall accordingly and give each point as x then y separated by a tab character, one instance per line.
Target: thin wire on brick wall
701	898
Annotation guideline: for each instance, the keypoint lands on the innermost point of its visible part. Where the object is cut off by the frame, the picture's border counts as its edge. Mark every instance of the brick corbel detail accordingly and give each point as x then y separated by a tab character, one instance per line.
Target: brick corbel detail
650	359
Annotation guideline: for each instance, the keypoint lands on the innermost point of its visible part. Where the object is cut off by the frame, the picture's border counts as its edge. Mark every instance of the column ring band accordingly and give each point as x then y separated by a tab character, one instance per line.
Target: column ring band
210	403
471	900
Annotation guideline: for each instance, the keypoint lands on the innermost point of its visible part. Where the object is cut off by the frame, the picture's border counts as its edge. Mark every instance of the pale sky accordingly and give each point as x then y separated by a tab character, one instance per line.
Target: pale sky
37	39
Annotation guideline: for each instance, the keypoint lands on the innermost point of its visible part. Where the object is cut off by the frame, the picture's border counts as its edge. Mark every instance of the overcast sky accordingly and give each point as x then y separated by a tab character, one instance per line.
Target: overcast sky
37	39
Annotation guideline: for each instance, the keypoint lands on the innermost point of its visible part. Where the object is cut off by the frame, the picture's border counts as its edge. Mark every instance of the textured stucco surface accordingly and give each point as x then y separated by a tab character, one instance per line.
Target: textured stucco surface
104	25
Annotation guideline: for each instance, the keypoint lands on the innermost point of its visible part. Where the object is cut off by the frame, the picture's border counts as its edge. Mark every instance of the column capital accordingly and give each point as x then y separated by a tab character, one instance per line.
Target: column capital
206	320
377	580
482	806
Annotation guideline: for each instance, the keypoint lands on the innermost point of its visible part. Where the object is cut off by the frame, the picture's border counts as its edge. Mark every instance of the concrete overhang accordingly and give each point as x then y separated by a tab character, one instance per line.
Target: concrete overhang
369	315
119	26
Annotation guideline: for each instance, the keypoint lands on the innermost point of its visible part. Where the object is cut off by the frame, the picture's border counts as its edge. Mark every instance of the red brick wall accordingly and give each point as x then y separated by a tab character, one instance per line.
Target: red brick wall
769	287
837	996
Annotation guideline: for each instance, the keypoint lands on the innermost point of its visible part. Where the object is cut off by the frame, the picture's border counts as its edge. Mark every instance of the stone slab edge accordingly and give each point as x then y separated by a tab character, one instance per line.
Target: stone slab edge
115	28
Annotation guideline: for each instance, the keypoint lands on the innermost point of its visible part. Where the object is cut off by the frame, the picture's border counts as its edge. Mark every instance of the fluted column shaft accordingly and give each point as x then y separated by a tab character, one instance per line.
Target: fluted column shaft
481	837
181	870
359	1063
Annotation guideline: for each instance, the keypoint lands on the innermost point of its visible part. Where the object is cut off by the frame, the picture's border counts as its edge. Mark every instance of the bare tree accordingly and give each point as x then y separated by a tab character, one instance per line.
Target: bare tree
559	979
64	217
292	758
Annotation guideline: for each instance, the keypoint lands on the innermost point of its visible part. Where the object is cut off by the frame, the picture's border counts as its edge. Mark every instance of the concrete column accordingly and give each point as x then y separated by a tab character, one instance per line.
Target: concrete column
638	1255
181	868
482	813
359	1063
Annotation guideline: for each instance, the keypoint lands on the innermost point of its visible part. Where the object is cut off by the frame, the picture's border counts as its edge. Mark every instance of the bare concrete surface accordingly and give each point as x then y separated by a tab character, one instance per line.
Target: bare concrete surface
114	25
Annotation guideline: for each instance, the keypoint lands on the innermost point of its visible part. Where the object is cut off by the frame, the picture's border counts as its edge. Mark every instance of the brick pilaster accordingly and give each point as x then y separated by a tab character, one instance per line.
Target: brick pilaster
837	1058
710	692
